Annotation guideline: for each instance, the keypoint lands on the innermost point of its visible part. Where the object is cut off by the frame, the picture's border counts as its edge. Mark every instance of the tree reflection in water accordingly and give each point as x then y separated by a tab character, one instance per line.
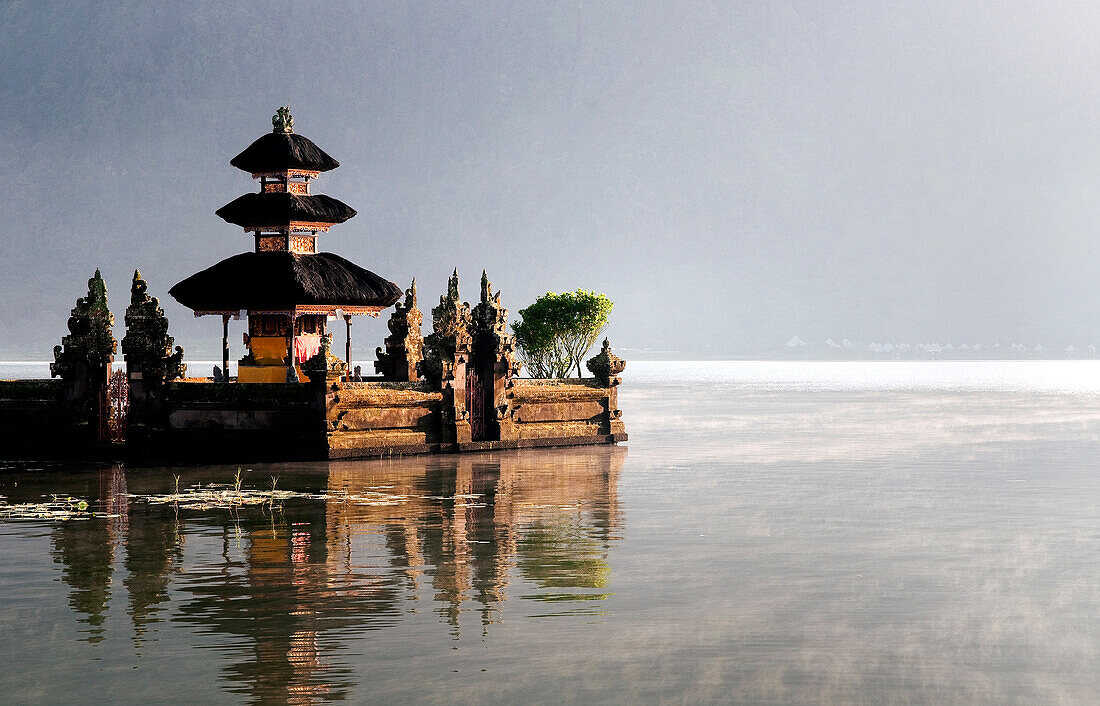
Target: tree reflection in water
281	593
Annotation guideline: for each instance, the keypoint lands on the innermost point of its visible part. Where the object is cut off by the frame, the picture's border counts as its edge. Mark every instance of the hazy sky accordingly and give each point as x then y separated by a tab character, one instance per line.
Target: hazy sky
730	174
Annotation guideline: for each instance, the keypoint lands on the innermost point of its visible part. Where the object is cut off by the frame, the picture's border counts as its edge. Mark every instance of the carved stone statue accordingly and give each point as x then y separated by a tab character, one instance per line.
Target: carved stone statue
147	345
324	366
83	360
494	354
446	355
405	344
490	324
606	366
90	343
490	319
282	121
450	335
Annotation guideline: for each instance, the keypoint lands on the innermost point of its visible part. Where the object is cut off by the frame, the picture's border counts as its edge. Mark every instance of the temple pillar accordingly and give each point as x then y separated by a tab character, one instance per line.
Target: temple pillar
405	344
446	355
150	363
83	361
225	347
494	353
347	344
606	366
325	373
291	365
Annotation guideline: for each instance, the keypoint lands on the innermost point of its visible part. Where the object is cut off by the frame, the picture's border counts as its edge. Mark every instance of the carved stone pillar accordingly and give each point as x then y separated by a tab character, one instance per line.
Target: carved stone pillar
325	373
405	344
83	360
446	355
606	366
494	353
150	362
291	362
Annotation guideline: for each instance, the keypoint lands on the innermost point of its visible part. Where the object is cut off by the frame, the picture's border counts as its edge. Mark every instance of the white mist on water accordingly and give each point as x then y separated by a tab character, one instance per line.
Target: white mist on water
970	375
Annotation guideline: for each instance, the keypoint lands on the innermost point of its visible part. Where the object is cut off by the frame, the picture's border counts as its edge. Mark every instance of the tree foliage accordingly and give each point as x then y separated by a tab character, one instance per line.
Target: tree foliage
557	331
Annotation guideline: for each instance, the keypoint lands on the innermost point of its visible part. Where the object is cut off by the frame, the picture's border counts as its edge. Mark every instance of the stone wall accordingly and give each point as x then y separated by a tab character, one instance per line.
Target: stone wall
564	410
381	418
225	422
33	416
221	421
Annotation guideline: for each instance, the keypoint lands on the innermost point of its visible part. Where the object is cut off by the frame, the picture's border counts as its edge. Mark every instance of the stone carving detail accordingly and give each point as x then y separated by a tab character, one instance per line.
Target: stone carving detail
490	322
446	355
450	336
282	121
490	319
494	352
90	346
324	365
606	366
405	344
83	362
147	345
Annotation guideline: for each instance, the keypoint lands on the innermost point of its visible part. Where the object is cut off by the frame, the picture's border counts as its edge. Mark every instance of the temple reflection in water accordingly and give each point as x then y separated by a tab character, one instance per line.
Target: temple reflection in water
282	592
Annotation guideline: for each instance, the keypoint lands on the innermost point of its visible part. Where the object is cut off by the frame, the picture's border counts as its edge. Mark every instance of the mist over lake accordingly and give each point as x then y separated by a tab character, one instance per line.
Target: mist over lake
773	532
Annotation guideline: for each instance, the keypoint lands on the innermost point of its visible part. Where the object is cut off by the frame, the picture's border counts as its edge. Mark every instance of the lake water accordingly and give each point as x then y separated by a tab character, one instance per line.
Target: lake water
771	533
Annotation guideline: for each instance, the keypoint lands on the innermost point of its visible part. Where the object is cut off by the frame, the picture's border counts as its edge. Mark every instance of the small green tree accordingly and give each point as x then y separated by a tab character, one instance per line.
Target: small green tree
557	331
541	350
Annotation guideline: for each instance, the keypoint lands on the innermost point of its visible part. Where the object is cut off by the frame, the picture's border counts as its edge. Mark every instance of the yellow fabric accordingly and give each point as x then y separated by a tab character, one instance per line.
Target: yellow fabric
268	350
265	373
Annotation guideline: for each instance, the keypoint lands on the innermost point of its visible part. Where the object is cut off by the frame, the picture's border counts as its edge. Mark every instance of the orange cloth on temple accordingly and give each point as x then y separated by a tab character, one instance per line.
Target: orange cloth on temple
306	346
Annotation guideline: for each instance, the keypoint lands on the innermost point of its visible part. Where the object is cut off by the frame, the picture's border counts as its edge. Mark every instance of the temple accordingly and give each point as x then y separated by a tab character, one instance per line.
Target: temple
285	287
456	389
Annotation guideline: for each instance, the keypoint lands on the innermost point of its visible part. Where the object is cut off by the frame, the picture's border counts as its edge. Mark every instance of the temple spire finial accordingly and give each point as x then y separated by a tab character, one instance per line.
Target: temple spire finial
486	287
138	289
282	121
452	286
97	292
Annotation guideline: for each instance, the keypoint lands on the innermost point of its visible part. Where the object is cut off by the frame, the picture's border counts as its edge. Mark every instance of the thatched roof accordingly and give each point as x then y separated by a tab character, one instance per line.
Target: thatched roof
277	151
279	208
281	280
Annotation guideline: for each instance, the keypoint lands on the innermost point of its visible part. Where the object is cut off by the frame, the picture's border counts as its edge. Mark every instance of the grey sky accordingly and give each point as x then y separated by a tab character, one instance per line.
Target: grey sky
730	174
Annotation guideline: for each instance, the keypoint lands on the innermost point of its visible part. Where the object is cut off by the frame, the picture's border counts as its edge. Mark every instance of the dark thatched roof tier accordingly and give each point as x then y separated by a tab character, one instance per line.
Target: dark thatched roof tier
277	152
282	280
281	208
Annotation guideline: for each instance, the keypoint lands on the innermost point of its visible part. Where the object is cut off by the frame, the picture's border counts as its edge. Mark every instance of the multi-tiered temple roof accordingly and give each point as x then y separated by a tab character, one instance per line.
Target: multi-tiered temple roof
285	273
282	281
280	150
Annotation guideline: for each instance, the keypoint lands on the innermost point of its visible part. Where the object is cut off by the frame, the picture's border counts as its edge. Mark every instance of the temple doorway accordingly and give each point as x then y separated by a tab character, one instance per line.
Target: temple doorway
114	407
479	391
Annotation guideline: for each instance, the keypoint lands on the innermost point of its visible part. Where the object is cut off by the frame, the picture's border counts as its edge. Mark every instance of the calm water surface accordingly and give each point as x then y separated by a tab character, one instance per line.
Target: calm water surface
773	532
